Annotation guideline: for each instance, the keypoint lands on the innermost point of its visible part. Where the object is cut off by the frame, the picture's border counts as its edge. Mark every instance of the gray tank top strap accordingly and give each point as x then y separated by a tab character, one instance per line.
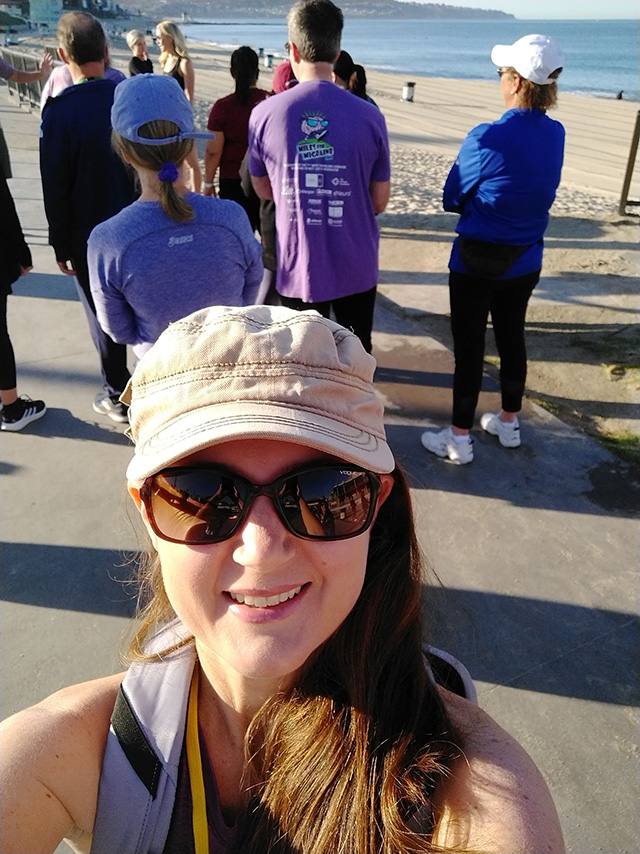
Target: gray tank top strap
142	757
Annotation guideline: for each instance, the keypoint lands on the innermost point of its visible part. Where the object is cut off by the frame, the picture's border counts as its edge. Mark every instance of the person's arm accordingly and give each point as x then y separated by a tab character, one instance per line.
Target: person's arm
212	157
380	178
56	157
46	65
13	246
51	761
464	176
186	69
495	799
380	192
115	315
262	186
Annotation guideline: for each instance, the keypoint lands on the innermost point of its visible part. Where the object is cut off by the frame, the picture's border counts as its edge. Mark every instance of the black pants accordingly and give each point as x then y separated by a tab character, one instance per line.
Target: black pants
7	358
231	188
113	357
471	300
354	312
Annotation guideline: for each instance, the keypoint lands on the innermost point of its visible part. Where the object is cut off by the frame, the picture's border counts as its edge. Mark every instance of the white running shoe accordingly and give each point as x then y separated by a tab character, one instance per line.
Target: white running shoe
443	443
507	431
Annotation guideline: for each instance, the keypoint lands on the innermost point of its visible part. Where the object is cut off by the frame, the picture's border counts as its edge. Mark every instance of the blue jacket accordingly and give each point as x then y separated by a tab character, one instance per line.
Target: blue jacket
504	183
84	181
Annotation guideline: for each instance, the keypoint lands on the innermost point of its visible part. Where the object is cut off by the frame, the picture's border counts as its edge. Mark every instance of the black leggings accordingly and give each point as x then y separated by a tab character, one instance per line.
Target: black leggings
471	300
231	188
7	357
354	312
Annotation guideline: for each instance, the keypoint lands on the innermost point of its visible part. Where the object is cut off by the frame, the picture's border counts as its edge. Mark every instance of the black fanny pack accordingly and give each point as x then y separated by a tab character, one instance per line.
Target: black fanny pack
488	260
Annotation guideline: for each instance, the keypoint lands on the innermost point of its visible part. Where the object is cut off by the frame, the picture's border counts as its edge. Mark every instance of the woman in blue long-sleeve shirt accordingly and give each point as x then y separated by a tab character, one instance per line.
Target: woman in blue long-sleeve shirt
502	185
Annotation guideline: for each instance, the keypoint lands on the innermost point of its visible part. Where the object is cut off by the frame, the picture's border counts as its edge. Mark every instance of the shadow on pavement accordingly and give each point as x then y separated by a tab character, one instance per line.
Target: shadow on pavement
555	468
537	645
69	578
60	423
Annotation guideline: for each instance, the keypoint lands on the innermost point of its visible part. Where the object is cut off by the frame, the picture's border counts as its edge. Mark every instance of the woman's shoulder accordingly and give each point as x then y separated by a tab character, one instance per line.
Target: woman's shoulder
495	798
52	757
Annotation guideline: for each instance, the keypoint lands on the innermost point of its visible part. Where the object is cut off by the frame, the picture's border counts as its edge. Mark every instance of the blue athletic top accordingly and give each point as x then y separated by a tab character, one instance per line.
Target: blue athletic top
504	183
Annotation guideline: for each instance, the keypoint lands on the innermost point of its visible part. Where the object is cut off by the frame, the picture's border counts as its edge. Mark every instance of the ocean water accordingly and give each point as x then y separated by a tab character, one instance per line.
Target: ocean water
602	57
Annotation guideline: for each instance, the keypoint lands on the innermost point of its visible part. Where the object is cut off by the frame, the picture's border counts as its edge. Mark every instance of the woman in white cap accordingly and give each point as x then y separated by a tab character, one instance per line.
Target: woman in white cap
502	185
172	251
280	697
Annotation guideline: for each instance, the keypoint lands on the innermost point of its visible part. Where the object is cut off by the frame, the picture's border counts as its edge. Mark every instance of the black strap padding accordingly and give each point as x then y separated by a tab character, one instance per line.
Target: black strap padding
446	675
134	743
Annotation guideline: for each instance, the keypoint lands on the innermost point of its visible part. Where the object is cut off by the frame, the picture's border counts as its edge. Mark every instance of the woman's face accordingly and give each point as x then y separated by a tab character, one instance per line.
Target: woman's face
140	49
164	40
262	559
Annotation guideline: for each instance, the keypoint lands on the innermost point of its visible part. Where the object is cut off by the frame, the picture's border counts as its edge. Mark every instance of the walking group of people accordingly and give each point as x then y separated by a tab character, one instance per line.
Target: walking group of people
281	695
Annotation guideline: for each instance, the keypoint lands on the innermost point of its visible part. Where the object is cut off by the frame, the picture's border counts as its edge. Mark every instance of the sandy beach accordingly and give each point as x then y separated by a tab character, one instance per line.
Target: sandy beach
582	321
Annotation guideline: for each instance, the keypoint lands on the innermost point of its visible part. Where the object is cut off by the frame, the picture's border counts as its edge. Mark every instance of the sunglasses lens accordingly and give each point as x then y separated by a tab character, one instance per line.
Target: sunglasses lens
327	503
198	506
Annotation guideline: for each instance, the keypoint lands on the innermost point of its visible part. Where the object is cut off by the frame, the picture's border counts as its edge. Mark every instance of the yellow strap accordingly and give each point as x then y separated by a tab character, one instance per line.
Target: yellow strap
194	760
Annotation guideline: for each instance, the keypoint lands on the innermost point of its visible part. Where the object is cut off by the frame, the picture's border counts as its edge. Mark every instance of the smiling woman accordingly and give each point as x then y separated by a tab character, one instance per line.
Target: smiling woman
280	698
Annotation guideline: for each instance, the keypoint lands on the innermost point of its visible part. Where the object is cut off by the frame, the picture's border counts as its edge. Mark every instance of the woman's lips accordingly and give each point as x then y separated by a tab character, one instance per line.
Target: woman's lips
263	606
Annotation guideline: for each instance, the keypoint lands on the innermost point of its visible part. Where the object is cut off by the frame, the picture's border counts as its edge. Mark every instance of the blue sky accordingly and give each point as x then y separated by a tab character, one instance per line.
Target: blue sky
544	10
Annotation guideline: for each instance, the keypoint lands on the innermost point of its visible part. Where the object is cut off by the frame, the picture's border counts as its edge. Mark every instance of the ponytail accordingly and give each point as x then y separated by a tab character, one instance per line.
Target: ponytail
163	159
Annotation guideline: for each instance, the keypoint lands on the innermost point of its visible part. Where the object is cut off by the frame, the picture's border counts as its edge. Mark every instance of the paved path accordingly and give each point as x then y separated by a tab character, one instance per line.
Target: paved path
541	592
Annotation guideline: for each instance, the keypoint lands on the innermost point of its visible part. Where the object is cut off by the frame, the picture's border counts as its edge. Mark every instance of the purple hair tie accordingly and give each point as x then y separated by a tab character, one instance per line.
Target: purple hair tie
169	172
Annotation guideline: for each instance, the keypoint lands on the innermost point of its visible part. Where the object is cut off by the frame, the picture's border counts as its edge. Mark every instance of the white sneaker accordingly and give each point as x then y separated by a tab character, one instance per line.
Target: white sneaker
507	431
443	443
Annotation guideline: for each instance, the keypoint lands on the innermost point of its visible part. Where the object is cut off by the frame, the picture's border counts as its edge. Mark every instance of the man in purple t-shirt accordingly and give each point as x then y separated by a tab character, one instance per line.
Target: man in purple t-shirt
322	154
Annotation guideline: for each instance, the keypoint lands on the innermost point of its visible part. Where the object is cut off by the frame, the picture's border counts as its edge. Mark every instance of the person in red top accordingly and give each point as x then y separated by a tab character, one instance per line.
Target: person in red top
229	120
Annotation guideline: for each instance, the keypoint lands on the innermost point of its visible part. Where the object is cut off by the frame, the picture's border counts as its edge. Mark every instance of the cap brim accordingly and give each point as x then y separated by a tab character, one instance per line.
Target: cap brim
205	427
501	55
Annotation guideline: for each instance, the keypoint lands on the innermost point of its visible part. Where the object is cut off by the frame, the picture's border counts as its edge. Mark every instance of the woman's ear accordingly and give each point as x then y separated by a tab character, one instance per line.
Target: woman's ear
134	492
386	485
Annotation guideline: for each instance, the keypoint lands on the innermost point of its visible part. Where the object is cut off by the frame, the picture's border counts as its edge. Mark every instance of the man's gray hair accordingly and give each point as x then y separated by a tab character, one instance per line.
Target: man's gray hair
315	27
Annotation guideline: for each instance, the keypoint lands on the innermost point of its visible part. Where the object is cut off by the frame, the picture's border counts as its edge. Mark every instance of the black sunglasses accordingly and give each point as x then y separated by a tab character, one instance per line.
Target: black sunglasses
501	71
208	504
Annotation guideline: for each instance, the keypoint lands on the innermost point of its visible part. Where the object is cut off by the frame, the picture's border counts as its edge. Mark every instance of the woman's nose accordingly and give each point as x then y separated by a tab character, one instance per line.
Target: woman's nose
263	536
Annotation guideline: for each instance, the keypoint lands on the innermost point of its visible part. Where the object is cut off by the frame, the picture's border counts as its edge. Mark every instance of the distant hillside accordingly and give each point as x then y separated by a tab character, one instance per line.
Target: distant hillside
212	9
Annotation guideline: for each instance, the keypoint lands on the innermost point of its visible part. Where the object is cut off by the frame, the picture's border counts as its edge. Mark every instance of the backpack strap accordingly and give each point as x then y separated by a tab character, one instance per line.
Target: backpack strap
450	673
139	777
135	744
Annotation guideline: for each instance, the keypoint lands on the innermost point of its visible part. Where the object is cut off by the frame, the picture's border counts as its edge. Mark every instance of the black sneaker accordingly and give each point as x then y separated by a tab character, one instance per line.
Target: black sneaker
17	415
109	404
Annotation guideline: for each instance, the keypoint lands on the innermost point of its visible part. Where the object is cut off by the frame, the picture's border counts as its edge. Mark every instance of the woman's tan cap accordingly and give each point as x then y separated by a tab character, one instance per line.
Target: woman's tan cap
263	372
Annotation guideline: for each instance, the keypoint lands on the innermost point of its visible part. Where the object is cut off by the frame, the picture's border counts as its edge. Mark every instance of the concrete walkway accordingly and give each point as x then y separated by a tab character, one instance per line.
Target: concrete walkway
536	548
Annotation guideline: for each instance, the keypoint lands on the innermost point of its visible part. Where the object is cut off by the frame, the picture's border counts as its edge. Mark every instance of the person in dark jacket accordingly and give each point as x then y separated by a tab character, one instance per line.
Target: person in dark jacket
15	261
84	182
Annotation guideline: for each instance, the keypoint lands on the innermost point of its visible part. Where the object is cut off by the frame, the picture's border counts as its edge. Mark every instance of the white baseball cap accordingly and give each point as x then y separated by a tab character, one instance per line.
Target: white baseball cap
534	57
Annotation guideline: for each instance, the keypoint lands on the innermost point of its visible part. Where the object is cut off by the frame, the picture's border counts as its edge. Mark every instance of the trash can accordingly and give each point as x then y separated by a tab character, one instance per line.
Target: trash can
268	61
408	91
261	52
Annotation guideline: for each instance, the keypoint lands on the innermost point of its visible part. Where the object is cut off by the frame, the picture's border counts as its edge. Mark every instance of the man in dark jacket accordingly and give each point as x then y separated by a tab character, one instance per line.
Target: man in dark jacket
83	180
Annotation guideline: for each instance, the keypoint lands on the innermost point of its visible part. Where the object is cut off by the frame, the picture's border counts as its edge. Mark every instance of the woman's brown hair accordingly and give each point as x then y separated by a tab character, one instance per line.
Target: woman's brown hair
536	96
154	157
348	758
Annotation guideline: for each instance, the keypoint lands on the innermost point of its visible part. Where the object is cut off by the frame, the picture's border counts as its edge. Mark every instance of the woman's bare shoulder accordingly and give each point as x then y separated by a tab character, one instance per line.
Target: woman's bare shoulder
52	756
495	799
